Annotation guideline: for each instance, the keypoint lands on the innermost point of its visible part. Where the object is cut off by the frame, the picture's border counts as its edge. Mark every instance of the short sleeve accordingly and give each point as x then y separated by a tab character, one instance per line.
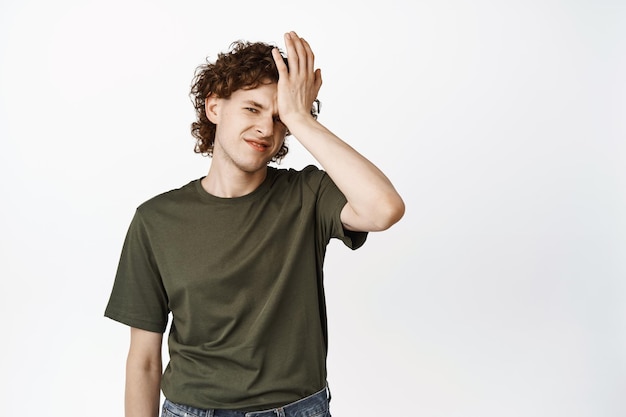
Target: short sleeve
138	298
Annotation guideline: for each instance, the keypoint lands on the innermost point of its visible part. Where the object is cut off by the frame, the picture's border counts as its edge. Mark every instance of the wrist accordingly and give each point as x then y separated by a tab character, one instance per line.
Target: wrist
299	122
302	118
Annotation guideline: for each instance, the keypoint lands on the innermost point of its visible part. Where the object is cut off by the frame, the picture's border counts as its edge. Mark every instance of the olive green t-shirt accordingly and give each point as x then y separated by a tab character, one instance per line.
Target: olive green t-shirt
242	278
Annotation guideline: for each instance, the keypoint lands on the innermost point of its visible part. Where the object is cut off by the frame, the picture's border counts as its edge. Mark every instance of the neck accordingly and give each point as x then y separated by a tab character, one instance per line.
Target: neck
232	184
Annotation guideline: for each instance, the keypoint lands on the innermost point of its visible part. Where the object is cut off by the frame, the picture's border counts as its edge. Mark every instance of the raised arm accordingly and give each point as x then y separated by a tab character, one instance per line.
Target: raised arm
143	374
373	203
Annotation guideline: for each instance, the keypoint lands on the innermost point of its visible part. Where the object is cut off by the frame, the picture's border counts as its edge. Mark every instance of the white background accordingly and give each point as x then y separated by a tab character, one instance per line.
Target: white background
502	291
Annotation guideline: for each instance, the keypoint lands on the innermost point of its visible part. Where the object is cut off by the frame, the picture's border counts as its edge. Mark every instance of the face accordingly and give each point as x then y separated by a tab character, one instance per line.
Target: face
248	132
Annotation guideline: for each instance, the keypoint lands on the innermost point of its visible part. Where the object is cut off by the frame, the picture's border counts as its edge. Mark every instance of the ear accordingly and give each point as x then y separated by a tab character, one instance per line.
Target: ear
211	106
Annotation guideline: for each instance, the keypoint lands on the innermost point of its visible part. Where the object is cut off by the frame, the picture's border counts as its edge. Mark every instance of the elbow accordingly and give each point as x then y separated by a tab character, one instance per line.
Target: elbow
379	214
391	210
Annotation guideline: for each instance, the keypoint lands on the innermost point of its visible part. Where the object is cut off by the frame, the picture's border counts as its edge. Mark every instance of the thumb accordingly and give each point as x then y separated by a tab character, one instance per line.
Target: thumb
318	78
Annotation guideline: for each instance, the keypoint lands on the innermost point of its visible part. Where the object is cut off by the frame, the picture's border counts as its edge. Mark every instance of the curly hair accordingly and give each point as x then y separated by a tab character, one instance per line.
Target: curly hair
245	65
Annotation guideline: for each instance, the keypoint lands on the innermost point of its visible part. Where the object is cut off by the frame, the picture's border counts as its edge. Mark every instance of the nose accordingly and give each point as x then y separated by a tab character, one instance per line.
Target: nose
265	126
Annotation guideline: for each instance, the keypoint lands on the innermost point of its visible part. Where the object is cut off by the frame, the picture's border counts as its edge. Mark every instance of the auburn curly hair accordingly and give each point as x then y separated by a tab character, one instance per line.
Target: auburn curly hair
245	65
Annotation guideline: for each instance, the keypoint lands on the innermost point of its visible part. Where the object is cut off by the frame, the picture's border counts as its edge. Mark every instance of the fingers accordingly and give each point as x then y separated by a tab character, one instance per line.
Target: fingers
292	55
299	54
310	56
280	64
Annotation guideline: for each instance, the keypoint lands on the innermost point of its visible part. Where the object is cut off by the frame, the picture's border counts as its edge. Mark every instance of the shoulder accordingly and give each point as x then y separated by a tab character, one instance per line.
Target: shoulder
310	176
168	199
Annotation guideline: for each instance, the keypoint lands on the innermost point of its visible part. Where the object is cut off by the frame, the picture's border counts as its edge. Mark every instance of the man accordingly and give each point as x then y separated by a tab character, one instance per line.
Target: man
236	257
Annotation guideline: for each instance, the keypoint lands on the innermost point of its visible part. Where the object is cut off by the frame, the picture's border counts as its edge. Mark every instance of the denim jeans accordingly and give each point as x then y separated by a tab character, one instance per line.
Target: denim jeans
315	405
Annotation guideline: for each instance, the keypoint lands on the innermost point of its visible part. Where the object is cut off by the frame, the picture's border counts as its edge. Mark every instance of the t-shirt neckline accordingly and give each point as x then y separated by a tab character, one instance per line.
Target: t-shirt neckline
260	190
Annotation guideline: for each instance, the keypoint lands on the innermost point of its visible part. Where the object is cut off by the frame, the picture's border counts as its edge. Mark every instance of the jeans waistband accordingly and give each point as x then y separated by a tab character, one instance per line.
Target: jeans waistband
315	404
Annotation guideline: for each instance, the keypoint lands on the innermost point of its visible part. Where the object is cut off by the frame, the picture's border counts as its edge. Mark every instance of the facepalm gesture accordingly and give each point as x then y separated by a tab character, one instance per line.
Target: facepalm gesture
299	84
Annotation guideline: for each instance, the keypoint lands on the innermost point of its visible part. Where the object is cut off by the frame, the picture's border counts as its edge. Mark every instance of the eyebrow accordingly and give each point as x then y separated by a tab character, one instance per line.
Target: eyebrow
255	104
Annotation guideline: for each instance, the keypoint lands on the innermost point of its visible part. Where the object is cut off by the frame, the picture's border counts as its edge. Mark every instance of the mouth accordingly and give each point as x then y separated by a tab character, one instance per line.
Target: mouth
258	146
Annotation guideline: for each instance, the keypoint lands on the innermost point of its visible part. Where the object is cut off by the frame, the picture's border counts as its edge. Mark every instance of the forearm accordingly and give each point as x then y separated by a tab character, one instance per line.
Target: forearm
142	394
371	196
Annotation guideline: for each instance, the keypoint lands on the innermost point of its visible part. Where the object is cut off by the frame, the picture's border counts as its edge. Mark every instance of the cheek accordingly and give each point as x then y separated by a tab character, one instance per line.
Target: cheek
281	130
279	144
282	136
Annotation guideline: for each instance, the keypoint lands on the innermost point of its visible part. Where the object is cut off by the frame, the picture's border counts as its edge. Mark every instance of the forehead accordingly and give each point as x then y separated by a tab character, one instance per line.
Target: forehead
263	94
